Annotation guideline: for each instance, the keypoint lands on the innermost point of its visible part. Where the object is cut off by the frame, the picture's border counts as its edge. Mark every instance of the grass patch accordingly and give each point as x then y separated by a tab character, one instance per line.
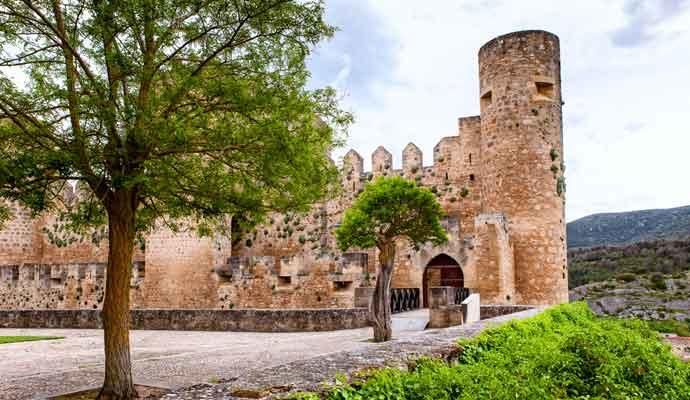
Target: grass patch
564	353
17	339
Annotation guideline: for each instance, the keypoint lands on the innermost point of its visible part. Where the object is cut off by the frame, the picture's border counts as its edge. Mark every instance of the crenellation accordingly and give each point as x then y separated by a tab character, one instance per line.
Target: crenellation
412	161
381	162
499	181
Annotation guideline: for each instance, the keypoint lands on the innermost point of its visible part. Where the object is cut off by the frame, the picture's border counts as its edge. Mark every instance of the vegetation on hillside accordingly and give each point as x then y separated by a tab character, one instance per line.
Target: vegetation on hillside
566	352
649	280
680	328
603	263
629	227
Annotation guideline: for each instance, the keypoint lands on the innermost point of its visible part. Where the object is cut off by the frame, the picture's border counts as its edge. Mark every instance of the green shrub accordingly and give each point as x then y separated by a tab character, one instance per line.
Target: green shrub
554	154
563	353
626	277
658	281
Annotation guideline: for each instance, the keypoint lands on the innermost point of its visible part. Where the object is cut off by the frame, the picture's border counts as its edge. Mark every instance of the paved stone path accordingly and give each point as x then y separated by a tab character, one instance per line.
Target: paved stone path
311	373
214	365
166	358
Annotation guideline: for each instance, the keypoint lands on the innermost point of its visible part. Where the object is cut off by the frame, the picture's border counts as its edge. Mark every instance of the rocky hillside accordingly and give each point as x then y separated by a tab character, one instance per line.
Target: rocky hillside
629	227
650	280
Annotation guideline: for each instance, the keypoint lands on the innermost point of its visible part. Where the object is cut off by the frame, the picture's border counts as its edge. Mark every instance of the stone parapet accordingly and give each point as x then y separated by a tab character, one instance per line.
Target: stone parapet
249	320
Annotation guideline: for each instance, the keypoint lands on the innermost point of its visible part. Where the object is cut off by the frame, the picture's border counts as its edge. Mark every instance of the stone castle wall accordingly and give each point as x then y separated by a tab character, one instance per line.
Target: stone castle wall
499	181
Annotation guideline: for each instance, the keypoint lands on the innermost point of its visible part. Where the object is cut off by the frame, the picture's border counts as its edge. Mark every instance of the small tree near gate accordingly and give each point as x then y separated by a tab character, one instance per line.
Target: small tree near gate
387	211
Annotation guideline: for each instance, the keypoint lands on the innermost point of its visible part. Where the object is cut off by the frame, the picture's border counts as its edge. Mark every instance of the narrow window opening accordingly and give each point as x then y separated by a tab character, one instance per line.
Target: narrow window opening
486	100
470	158
140	268
100	271
284	280
353	186
341	286
544	91
472	177
446	175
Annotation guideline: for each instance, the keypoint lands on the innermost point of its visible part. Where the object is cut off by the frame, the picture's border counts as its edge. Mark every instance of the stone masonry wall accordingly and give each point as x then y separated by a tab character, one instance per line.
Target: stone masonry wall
196	320
20	239
522	152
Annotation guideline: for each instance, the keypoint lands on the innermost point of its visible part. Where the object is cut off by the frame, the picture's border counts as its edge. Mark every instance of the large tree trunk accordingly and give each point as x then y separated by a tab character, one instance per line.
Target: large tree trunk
118	382
381	303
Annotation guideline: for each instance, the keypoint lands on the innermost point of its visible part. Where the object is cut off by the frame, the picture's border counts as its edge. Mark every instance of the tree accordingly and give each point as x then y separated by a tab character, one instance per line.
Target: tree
387	211
179	112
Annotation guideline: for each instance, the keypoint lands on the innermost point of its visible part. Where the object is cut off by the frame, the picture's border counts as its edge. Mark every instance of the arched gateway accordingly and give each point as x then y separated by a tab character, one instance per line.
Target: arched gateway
441	270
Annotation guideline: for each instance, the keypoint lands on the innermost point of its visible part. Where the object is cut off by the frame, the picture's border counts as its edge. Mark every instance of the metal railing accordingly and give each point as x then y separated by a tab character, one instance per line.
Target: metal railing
461	294
404	299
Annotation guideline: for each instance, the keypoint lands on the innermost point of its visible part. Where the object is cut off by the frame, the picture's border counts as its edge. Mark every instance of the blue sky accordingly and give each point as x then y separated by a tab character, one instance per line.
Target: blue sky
408	69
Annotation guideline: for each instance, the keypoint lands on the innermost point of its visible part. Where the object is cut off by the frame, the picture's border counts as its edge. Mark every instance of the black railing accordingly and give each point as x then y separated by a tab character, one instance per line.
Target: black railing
404	299
461	294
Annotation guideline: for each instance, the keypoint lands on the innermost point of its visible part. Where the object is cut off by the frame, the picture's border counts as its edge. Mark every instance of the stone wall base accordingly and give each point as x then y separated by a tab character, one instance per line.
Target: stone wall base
248	320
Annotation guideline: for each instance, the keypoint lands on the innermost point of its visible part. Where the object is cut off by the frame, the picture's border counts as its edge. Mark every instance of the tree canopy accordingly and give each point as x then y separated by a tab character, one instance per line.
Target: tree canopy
199	108
389	209
161	111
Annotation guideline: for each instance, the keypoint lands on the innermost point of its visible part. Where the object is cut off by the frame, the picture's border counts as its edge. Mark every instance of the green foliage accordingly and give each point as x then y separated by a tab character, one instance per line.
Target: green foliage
5	214
191	110
680	328
658	281
626	277
565	352
388	209
464	192
304	396
560	185
554	154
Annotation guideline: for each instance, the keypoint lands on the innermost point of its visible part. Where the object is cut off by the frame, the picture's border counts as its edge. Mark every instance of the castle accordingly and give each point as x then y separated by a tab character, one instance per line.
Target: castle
500	181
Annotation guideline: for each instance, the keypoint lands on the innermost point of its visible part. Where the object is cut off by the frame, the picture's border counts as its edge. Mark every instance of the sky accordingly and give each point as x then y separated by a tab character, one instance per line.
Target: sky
407	69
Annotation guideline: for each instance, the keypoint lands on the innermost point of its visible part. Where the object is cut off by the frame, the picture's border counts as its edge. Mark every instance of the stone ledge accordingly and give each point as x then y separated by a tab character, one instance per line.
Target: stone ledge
241	320
493	311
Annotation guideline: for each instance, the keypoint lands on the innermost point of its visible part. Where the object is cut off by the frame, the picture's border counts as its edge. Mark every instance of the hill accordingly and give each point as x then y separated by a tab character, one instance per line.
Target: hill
649	280
629	227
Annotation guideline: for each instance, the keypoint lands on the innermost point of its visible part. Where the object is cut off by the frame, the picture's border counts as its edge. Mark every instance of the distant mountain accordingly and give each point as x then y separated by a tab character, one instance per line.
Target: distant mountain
629	227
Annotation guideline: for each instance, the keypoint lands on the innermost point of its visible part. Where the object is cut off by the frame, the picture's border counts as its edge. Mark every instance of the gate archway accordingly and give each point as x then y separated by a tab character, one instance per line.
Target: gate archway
441	270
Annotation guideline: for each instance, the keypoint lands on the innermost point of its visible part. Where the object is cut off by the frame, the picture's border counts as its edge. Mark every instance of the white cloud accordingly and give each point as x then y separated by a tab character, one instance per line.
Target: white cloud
625	124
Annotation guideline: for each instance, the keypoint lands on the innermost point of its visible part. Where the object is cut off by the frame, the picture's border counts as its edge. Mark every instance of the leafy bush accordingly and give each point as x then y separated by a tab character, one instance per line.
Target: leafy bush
626	277
563	353
658	281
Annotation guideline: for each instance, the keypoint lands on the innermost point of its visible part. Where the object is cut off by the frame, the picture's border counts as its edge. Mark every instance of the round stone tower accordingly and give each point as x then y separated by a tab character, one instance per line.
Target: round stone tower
522	152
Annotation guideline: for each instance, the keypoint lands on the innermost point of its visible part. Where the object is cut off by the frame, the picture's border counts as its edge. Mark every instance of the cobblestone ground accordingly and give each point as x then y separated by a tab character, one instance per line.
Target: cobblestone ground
215	365
165	358
312	373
